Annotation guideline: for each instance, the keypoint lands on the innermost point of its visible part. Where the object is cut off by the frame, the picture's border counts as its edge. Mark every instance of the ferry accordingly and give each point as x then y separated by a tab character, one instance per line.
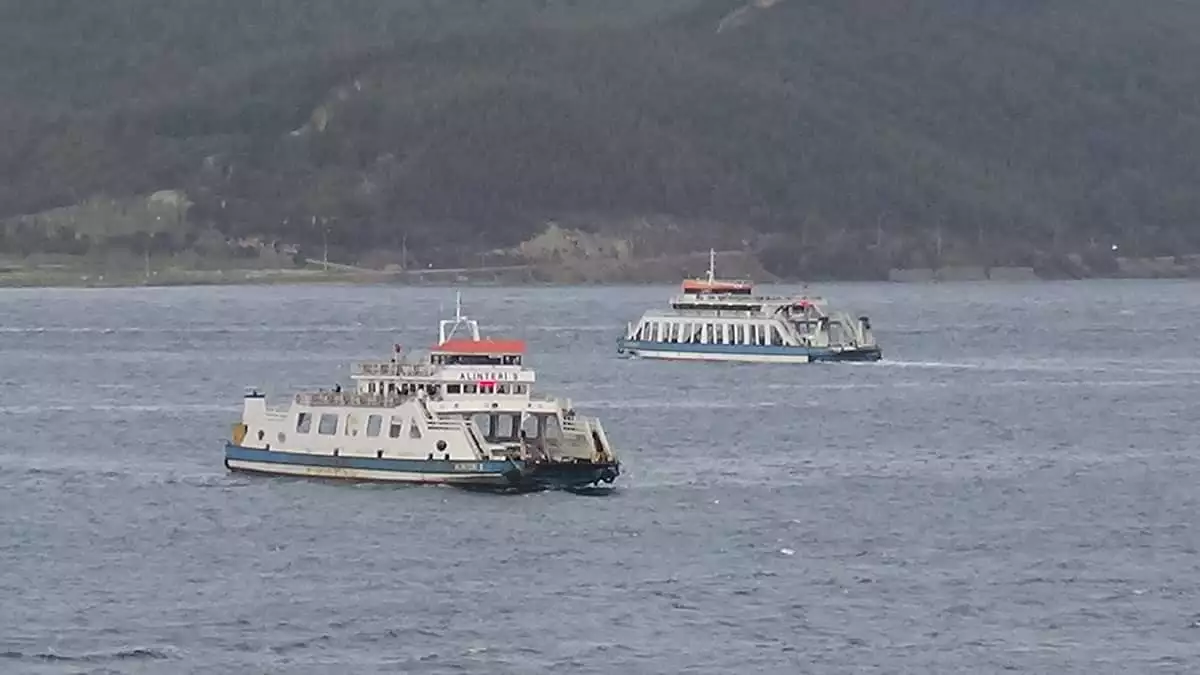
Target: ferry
724	320
466	415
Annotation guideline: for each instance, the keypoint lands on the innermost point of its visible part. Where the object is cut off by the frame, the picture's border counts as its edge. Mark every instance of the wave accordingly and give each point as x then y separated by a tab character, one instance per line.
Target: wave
113	407
1189	367
320	328
136	653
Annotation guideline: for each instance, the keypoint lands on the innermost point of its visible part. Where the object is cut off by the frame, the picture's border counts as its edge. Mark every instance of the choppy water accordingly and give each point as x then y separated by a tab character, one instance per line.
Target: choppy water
1015	489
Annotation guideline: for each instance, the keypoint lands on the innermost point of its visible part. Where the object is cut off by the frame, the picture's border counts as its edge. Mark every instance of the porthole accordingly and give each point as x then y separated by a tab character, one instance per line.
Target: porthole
281	437
441	445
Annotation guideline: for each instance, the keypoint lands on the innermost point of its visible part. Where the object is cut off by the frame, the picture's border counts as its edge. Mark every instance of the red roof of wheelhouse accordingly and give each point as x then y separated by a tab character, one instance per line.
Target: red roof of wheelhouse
486	346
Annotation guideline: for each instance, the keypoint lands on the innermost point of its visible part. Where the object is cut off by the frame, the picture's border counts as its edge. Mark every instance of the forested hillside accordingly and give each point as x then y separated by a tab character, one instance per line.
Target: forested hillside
838	137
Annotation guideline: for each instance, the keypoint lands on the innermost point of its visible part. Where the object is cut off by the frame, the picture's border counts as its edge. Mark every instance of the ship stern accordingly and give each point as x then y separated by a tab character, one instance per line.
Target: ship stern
578	475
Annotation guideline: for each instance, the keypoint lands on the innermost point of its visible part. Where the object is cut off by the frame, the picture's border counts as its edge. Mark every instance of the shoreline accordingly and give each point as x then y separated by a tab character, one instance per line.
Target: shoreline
68	279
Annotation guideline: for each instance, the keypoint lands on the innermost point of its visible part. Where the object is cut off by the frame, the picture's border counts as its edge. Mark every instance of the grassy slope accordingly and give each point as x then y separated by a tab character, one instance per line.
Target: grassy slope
1002	124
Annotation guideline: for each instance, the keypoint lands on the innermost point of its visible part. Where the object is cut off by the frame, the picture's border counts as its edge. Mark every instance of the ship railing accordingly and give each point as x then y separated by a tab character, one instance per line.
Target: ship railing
445	425
393	369
714	313
576	425
577	438
351	399
750	299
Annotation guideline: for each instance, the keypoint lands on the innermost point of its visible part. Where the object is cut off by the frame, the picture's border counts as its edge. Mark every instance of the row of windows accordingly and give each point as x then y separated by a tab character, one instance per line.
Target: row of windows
405	389
327	425
475	360
711	333
496	388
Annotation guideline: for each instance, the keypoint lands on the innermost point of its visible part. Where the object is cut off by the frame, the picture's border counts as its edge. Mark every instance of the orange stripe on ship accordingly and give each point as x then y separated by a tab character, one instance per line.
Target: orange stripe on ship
487	346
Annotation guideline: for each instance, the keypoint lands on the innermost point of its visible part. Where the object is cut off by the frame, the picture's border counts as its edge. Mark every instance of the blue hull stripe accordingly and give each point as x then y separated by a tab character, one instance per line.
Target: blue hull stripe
814	353
439	466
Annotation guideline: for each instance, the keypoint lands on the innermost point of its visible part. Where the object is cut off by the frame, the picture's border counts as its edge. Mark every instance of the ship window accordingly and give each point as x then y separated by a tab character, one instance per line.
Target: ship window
454	389
507	427
413	430
352	425
328	424
529	427
304	423
501	388
374	423
503	430
396	426
470	389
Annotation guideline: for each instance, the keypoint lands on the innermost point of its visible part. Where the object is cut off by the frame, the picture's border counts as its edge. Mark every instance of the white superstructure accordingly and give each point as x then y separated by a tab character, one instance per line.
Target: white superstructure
722	320
465	414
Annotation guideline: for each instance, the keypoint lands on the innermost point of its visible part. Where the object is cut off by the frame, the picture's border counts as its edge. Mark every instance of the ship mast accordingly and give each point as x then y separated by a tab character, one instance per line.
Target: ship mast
712	264
460	319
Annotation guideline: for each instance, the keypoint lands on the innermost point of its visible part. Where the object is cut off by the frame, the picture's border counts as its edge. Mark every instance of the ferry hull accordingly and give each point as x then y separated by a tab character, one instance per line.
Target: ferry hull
744	353
502	475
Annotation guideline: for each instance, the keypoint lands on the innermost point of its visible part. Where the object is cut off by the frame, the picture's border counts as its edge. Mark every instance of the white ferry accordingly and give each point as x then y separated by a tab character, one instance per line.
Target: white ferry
464	416
723	320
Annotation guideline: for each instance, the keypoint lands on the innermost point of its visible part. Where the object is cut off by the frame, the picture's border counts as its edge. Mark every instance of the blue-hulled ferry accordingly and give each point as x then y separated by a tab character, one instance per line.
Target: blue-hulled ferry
723	320
465	415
